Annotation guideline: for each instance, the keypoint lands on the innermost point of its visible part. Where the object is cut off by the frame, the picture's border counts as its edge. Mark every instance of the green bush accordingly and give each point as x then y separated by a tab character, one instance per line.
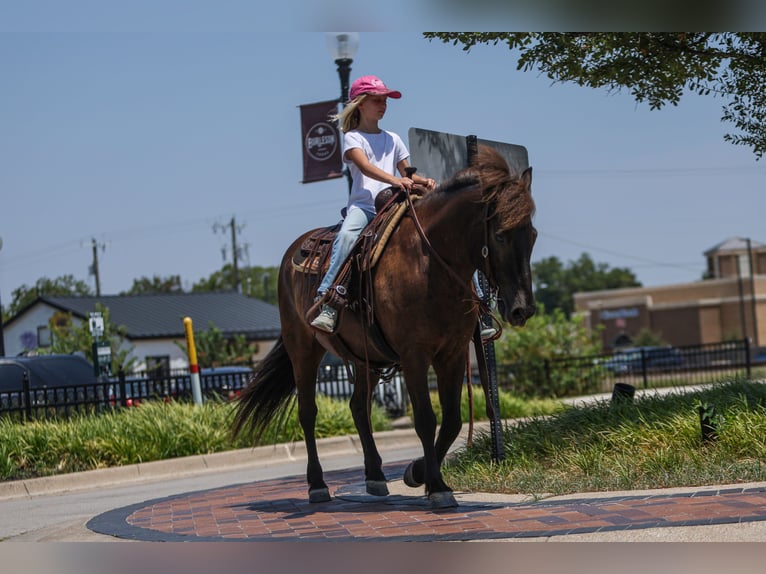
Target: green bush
536	360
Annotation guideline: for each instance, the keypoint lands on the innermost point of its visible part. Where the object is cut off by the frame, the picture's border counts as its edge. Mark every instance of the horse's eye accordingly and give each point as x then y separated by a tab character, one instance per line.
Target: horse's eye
499	238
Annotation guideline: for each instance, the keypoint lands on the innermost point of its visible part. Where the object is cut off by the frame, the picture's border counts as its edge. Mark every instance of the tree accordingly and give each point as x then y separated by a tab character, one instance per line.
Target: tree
535	361
64	286
68	337
256	282
556	284
157	284
657	68
215	350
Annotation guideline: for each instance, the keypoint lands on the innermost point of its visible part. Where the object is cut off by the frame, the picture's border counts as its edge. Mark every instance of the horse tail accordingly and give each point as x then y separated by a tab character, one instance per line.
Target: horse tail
268	394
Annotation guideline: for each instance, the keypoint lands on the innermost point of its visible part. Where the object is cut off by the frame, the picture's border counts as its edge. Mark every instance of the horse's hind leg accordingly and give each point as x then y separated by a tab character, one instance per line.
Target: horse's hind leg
375	480
308	353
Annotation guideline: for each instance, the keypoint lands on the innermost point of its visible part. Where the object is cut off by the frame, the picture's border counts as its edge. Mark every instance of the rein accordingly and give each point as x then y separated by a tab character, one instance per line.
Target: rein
484	250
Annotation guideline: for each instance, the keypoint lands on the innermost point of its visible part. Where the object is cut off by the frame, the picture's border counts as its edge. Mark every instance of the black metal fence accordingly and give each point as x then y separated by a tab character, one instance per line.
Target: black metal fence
30	403
643	367
560	377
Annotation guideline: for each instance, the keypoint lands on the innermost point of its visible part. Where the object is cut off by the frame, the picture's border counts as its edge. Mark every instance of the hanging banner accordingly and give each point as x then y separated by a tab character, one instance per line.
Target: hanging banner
321	142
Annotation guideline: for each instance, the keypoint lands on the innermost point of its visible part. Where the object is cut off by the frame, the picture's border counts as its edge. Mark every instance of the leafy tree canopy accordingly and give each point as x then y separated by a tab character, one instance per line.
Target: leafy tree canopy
657	68
157	284
216	350
256	282
74	336
63	286
555	283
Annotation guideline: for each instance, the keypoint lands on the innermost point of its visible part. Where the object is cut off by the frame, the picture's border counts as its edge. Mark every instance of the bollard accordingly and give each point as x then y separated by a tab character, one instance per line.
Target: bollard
708	422
623	392
193	366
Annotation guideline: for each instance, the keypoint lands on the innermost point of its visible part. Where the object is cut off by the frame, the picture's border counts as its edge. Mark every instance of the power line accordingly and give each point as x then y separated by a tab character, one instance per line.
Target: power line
646	262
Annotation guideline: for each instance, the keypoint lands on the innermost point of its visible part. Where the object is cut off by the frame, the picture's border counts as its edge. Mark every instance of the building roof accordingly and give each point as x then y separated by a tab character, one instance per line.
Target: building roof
736	244
162	315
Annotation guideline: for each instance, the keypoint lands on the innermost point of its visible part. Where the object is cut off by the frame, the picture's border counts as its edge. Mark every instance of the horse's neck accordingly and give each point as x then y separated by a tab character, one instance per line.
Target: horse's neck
455	228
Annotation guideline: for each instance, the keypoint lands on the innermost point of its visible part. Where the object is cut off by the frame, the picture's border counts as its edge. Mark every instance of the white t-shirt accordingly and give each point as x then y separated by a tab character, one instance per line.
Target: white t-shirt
384	150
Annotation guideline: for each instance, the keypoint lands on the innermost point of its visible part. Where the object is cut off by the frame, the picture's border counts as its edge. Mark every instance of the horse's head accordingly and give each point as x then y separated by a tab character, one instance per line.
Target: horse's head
509	236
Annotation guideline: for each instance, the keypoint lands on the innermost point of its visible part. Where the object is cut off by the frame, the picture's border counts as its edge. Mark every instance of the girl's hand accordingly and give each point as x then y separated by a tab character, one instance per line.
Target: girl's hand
403	183
430	184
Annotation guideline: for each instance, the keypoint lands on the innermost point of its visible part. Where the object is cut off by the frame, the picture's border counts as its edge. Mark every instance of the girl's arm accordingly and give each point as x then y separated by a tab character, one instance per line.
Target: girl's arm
359	158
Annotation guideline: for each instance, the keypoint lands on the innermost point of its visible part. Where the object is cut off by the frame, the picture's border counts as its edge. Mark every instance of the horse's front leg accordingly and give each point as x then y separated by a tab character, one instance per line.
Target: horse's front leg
450	375
425	470
375	480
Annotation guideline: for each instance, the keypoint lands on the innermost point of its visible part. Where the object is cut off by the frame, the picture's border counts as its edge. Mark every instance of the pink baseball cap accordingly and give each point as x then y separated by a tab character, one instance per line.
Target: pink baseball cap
371	85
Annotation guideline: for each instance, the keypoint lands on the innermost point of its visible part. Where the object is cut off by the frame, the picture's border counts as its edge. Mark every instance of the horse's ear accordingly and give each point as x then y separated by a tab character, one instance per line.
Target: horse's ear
526	178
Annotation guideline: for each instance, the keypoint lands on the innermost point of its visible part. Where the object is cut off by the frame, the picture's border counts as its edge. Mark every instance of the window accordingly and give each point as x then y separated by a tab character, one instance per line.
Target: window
158	366
43	336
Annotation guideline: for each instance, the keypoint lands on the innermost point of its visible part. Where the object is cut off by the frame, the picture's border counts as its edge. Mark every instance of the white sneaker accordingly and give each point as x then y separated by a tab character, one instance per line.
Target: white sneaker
325	321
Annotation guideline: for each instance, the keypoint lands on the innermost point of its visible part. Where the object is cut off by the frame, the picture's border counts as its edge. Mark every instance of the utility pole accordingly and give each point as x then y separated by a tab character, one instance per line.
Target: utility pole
235	250
94	267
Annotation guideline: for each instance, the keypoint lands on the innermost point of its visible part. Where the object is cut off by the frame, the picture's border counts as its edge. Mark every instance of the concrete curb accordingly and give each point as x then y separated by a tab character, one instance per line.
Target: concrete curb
257	457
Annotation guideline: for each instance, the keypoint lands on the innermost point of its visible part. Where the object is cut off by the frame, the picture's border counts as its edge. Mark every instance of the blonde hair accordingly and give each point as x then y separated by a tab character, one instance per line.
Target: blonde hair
348	118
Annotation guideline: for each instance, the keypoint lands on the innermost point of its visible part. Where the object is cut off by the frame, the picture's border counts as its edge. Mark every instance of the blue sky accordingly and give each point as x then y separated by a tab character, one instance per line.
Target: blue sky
146	140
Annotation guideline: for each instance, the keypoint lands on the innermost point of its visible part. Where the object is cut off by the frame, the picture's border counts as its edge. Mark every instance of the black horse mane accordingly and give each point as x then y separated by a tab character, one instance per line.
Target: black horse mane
511	201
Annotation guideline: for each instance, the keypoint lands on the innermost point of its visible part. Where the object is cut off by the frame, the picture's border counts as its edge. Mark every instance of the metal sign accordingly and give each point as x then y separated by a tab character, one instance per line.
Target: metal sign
96	324
440	155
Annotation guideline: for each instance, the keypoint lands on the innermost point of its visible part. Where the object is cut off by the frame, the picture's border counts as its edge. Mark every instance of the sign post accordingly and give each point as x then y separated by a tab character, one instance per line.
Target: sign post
441	155
102	349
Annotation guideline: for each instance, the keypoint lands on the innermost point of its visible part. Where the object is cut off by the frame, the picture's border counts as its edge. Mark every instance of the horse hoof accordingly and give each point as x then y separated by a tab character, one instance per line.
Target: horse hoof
377	487
442	499
409	477
319	495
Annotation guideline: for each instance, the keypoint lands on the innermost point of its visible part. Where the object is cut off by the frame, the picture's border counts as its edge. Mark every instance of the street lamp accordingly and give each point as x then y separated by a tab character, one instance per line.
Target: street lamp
342	47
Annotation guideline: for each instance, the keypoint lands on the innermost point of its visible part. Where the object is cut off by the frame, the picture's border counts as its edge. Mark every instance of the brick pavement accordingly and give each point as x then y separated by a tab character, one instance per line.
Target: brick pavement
279	510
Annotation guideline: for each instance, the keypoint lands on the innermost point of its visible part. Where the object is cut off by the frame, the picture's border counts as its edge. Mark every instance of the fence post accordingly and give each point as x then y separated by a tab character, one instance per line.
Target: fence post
123	387
26	391
746	343
644	373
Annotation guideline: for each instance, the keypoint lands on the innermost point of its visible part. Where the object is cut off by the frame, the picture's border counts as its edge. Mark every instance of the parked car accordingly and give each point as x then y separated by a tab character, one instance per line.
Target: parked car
632	360
53	379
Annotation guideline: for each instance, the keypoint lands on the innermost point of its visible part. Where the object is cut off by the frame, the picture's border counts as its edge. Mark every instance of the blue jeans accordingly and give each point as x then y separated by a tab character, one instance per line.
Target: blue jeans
356	220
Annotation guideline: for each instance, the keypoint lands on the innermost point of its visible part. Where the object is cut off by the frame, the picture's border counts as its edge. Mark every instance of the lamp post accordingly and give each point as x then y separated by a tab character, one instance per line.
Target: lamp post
342	47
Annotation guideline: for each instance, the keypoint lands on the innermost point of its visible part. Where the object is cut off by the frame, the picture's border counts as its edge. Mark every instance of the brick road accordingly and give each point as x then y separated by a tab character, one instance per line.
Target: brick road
279	510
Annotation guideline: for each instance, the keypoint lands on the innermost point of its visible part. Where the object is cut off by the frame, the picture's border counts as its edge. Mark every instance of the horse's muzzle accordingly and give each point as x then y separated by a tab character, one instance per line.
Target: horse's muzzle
518	313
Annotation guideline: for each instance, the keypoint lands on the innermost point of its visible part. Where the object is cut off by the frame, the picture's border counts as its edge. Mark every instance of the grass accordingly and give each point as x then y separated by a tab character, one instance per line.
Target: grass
652	442
153	431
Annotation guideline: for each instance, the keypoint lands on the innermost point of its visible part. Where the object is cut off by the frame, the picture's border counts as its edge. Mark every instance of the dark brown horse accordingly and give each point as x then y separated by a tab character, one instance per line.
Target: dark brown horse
424	307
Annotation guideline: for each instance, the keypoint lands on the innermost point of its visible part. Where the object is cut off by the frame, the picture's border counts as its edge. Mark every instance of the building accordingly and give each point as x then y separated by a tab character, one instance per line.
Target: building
154	323
730	303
